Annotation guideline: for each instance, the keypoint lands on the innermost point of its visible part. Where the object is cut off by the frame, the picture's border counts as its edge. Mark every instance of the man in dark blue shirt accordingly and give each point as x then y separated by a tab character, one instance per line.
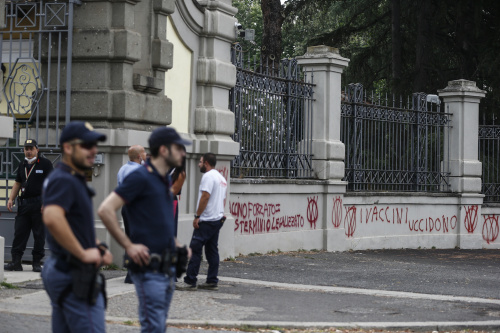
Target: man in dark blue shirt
147	195
68	216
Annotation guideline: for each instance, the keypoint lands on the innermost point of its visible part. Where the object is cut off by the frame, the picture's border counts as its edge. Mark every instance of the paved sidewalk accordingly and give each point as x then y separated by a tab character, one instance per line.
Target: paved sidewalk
412	289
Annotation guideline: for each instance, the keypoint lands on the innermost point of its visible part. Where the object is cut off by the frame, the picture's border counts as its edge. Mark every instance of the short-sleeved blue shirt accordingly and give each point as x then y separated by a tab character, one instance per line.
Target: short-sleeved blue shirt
66	188
149	206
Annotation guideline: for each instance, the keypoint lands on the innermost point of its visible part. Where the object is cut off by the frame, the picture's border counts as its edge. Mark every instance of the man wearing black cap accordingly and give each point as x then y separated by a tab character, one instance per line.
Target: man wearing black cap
70	274
30	176
149	201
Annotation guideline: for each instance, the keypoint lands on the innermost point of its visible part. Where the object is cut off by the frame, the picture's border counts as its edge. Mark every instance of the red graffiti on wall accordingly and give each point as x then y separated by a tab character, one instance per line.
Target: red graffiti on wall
257	218
224	172
470	221
350	221
337	212
490	228
312	211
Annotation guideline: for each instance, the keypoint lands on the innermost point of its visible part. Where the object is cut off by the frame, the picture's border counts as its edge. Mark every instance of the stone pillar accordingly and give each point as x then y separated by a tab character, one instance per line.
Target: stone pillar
461	98
328	151
6	132
2	249
213	122
120	55
327	65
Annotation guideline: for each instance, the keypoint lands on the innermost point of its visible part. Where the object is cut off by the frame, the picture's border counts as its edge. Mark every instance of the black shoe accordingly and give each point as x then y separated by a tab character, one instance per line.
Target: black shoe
13	266
208	286
37	267
128	279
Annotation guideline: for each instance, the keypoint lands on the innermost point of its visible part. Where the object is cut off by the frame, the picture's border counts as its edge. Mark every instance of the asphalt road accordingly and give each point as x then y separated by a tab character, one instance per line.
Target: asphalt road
403	289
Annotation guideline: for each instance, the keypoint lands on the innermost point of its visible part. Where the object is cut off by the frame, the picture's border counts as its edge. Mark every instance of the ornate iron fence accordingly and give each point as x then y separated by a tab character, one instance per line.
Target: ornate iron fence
489	155
273	118
36	46
393	147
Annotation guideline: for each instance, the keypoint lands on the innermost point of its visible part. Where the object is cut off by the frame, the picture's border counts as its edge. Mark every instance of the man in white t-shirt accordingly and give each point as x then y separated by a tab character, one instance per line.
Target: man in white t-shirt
207	223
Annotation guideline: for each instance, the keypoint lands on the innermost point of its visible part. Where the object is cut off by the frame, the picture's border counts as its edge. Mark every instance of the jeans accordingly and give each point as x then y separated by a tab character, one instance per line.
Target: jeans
75	315
207	235
155	291
28	218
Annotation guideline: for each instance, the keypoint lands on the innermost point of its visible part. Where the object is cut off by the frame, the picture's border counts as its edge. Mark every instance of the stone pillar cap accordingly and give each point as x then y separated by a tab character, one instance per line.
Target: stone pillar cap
323	54
462	86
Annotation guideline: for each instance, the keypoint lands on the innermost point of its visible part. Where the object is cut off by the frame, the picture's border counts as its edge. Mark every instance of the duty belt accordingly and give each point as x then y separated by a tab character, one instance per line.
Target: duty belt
24	201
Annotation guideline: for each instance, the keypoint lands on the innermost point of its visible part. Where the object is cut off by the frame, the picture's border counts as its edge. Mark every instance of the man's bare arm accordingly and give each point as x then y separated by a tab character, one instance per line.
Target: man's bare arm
13	194
54	217
107	212
205	196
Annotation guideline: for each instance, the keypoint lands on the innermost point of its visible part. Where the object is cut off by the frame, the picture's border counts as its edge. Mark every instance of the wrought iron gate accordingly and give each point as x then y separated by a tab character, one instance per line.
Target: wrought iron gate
36	45
391	146
272	105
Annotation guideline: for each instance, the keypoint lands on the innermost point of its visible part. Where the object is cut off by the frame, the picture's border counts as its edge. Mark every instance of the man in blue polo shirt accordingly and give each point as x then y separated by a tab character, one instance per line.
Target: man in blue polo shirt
68	216
149	201
137	157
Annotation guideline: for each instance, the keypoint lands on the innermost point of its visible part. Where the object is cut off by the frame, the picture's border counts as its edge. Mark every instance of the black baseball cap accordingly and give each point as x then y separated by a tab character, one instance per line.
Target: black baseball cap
165	136
31	143
80	130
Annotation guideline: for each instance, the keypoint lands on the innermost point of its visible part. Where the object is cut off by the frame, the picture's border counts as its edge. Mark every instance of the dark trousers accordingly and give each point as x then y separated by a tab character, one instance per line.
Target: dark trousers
29	218
208	236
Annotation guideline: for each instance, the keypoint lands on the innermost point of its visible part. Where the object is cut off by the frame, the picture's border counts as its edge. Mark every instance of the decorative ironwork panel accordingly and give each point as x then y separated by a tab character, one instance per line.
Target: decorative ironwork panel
36	48
393	147
489	155
272	104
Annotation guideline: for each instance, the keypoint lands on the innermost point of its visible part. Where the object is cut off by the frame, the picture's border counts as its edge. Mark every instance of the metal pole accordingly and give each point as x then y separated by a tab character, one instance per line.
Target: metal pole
69	60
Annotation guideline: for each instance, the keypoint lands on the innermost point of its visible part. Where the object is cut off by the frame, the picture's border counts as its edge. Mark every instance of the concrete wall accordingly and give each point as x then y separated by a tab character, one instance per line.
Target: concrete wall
272	216
178	81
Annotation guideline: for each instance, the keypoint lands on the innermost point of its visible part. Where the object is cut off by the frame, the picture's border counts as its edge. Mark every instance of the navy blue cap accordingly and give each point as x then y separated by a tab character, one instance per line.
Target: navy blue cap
165	136
80	130
31	143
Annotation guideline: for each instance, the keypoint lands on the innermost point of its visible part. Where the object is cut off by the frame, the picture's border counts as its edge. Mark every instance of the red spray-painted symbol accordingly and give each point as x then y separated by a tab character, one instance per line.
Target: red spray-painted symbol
337	212
350	221
470	218
312	211
490	228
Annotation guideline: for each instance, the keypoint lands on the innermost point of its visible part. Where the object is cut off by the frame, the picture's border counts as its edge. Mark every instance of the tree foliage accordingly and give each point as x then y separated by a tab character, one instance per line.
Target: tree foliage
397	46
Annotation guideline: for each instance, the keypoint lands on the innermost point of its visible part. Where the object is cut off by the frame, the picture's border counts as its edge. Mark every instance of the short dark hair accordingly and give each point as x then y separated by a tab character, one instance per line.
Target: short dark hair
155	150
210	158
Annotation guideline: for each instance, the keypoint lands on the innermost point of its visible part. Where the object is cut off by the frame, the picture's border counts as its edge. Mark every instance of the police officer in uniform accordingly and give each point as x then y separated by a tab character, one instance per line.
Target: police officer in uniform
70	274
28	189
147	195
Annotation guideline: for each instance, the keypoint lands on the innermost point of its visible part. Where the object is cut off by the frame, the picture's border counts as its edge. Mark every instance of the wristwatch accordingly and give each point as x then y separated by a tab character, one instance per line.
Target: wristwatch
196	216
101	246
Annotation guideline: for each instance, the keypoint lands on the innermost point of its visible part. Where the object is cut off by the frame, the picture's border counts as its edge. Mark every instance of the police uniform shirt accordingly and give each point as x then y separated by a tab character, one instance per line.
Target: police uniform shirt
149	204
68	189
31	176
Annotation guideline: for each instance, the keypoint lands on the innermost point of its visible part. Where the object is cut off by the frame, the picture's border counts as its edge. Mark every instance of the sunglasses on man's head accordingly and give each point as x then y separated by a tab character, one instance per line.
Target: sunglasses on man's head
84	145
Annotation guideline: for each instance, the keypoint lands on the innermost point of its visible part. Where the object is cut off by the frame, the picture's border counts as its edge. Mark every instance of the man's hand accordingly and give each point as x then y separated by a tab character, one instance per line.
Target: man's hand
10	204
138	253
107	258
92	256
195	223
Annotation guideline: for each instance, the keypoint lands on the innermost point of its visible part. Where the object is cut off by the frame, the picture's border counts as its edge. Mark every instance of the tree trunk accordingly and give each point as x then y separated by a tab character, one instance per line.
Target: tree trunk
396	45
423	45
272	15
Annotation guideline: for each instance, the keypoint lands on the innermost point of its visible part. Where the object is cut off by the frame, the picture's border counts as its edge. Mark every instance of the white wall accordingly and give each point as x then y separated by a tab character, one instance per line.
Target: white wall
272	216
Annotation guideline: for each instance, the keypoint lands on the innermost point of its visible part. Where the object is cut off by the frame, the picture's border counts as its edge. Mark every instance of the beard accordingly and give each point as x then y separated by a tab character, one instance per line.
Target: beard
203	169
171	162
79	164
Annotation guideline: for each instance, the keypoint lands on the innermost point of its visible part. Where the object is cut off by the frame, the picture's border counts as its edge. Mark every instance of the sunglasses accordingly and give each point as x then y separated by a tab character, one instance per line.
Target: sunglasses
84	145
